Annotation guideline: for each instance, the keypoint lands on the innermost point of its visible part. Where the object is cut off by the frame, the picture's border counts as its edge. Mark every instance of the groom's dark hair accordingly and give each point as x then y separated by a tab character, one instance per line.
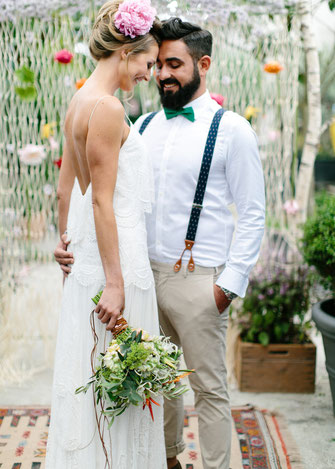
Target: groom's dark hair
198	40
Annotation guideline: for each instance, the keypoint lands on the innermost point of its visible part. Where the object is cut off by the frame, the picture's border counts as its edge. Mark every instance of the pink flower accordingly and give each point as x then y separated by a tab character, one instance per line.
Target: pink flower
218	98
135	17
291	207
63	56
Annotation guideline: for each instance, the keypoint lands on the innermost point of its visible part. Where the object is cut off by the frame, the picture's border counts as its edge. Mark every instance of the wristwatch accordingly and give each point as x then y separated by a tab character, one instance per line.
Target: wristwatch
229	294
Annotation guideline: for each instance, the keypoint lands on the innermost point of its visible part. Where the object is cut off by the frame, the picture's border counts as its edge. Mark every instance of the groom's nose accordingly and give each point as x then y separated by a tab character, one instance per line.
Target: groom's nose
163	73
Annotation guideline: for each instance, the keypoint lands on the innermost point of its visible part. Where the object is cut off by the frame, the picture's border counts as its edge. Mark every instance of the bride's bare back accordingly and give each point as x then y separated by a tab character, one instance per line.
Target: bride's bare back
82	113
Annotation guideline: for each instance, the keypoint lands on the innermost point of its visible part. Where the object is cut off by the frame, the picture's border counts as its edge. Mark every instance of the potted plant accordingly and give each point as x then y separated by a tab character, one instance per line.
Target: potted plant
318	247
274	351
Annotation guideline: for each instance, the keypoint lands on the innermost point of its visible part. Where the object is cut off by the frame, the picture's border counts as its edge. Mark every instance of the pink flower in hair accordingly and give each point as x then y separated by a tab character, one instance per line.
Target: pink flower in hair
135	17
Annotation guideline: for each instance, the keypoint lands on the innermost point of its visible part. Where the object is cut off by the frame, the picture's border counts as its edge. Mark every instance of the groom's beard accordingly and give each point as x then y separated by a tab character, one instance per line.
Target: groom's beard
178	99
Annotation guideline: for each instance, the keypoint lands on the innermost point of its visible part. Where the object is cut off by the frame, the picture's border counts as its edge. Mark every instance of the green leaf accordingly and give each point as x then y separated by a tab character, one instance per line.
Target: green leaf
263	338
28	93
25	74
97	297
139	337
257	319
278	331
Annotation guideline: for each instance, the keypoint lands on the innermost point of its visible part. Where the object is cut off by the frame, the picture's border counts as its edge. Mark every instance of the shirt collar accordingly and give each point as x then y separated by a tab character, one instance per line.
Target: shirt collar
200	103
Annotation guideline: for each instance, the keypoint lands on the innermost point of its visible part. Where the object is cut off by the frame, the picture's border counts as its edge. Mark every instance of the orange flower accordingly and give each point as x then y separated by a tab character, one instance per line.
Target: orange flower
148	402
182	376
273	67
80	83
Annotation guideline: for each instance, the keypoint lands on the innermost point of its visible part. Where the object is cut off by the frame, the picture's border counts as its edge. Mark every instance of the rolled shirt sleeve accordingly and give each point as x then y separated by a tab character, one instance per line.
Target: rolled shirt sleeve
246	184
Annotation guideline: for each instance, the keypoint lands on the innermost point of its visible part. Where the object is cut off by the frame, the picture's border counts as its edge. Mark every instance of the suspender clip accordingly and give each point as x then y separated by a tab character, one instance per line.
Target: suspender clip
188	247
199	206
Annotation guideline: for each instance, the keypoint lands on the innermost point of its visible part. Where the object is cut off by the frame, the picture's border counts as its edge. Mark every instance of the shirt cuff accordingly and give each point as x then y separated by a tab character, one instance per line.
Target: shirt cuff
233	281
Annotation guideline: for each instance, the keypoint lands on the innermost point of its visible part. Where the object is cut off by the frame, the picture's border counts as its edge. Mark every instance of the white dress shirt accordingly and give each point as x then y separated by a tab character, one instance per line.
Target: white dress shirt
176	147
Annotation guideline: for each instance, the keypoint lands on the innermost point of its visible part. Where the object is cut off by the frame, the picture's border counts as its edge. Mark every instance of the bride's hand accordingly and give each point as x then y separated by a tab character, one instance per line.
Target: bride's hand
110	306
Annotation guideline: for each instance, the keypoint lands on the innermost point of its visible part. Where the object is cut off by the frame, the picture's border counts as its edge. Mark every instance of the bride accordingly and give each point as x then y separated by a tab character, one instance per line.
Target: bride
105	188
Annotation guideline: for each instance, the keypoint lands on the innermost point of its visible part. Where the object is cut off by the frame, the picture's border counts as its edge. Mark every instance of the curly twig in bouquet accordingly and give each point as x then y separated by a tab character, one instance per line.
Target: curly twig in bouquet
135	368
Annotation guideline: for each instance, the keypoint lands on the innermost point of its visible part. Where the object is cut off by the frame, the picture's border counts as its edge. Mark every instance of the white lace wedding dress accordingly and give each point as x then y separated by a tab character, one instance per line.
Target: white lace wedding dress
134	440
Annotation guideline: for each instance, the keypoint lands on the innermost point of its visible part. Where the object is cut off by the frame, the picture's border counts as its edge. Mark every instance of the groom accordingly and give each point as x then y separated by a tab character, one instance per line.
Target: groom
195	288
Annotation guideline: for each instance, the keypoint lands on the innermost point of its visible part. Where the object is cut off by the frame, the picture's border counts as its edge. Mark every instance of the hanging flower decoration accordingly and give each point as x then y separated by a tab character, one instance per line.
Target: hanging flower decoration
273	67
68	81
27	91
332	133
48	189
80	83
218	98
251	112
58	163
291	207
54	145
32	155
63	56
48	129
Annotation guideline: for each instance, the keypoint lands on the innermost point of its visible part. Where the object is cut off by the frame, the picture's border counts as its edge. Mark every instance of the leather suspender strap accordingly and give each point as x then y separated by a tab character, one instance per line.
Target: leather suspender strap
146	122
200	190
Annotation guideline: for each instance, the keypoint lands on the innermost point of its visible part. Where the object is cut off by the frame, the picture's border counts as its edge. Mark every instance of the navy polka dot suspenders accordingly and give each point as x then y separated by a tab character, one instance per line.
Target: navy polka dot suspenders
200	191
146	122
201	185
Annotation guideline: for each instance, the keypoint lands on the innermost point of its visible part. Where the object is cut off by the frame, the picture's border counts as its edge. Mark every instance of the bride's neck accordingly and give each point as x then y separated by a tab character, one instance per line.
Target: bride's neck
106	74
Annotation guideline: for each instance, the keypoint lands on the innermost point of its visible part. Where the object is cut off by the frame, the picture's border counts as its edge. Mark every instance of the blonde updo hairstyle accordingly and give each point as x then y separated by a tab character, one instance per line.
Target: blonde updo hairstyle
106	38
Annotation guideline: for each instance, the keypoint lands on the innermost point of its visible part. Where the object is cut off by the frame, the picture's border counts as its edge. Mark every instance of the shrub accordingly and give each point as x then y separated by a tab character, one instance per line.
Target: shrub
274	309
318	242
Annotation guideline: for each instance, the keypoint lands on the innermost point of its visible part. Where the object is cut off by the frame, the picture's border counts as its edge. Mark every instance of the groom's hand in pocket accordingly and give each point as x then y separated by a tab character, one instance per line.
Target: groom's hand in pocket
111	305
63	256
222	302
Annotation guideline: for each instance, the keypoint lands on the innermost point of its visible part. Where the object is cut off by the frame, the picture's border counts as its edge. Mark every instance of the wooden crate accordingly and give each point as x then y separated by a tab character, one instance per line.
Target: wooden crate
275	368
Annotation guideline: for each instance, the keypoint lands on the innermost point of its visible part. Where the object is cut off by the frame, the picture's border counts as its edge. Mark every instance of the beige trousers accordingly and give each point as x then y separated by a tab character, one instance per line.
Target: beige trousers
188	314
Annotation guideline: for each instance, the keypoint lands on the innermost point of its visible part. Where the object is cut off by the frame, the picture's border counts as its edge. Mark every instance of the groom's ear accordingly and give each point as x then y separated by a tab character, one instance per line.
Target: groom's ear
204	64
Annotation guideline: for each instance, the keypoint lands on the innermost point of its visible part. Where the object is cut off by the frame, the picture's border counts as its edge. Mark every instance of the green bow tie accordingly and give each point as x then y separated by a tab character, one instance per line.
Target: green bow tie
186	112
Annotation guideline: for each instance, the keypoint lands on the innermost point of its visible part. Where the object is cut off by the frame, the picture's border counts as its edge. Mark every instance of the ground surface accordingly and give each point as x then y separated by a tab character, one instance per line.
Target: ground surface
309	417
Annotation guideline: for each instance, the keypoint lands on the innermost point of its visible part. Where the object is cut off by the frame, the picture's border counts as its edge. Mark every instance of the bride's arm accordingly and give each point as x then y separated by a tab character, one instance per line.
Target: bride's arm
103	145
64	189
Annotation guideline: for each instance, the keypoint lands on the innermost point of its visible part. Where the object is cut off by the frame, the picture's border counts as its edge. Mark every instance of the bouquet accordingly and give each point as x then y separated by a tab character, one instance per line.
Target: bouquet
135	368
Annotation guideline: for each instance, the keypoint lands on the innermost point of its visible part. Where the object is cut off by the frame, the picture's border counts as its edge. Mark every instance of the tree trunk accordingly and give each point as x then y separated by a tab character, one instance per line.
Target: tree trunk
312	137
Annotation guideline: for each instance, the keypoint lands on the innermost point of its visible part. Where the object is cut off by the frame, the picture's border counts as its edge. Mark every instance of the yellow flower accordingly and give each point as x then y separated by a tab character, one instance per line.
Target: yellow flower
251	112
47	130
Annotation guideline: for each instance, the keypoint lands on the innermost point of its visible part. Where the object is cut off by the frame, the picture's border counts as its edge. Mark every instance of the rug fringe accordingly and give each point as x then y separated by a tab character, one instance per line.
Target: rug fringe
290	444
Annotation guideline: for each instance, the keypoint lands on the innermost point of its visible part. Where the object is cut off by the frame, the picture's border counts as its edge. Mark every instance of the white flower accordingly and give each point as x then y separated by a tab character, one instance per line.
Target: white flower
226	80
10	147
291	207
32	154
30	37
48	189
54	145
68	81
82	48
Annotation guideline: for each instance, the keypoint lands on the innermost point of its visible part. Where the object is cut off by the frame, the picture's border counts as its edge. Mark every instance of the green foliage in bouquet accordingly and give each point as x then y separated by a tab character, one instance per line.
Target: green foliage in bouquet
318	242
274	309
135	368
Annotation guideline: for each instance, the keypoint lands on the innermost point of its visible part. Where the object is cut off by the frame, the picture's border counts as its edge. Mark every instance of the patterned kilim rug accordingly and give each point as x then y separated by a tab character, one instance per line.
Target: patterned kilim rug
260	440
